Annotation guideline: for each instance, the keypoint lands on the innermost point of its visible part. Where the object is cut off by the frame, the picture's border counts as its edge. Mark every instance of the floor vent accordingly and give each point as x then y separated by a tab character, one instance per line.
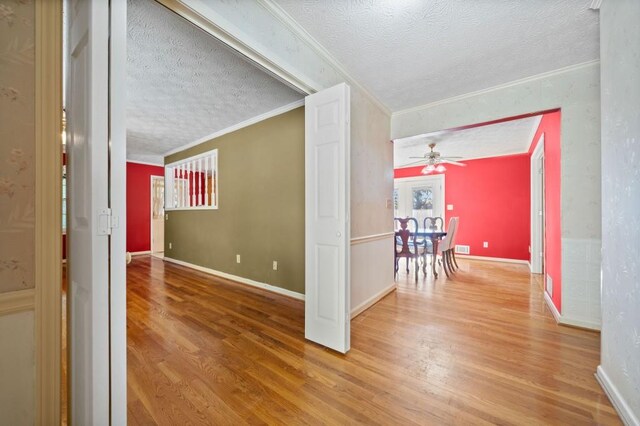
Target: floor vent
462	249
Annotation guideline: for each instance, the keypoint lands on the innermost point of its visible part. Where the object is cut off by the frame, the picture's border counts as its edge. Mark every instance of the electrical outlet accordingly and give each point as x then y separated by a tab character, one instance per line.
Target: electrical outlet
275	265
170	246
237	258
485	244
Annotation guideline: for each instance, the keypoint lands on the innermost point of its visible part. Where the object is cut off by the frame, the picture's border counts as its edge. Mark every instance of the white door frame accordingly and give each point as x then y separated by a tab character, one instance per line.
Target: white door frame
429	178
153	177
97	270
537	208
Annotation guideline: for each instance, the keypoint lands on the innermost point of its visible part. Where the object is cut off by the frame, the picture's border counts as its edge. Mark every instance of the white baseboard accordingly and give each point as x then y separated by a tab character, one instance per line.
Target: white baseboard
493	259
140	253
371	301
619	403
552	307
564	320
242	280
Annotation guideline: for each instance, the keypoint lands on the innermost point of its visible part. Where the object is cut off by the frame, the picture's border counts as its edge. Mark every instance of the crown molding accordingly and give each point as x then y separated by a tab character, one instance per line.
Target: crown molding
595	5
146	163
536	77
278	12
246	123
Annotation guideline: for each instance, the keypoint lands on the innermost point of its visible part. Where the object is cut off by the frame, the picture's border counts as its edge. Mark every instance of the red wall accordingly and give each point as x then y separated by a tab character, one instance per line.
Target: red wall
491	196
139	205
550	127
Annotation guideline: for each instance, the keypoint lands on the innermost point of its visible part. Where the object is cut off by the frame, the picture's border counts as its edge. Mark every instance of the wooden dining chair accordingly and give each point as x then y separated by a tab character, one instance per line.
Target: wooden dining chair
433	223
445	247
405	244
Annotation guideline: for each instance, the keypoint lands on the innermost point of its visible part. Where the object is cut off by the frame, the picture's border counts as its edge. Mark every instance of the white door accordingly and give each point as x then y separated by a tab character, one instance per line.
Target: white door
157	214
419	197
98	389
327	291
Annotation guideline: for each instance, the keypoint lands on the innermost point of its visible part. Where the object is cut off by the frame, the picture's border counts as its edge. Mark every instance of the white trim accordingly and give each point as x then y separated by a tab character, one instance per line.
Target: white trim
145	163
548	74
12	302
242	280
563	320
595	4
536	194
617	400
277	11
552	307
534	130
241	125
372	301
140	253
373	237
493	259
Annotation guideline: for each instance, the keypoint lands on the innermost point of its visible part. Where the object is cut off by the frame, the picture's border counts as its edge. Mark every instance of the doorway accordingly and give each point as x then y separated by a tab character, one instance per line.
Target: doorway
157	216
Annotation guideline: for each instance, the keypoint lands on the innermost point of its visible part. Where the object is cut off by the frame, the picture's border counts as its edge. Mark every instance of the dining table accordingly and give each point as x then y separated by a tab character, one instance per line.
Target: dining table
435	237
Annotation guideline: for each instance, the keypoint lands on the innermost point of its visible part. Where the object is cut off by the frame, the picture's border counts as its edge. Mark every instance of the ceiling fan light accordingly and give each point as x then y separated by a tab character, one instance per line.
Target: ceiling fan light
440	168
428	169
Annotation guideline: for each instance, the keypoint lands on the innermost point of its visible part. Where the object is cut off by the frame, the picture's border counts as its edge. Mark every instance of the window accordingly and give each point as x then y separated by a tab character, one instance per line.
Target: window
192	183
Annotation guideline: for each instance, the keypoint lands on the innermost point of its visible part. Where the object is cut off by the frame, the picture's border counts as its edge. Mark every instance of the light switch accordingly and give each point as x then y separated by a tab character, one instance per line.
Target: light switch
485	244
449	206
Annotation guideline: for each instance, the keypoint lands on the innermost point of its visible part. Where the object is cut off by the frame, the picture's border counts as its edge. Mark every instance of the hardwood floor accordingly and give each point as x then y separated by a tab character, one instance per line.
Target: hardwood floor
480	349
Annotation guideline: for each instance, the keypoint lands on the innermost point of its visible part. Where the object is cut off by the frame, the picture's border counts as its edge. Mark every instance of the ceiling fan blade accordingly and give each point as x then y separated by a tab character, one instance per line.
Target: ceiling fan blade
412	163
449	158
424	158
455	163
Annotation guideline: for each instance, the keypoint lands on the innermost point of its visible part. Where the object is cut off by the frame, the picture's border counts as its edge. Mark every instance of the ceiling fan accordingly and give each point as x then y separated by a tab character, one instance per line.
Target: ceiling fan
434	161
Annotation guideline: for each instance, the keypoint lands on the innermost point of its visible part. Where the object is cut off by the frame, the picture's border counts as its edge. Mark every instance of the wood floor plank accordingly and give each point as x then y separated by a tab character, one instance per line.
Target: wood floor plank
481	348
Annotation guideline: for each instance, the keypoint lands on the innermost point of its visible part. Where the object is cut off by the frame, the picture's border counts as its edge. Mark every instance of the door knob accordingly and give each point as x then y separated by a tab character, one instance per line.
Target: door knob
338	234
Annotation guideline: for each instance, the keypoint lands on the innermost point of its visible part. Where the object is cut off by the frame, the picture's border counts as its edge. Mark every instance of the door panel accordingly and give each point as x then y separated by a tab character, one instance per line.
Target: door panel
87	148
327	319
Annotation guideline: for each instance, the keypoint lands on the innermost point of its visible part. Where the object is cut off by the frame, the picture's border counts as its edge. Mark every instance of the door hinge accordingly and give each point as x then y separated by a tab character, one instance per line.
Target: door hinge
107	221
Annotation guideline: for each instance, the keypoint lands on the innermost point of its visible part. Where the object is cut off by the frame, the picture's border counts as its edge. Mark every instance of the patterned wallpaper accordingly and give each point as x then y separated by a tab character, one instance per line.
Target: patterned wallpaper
17	144
621	201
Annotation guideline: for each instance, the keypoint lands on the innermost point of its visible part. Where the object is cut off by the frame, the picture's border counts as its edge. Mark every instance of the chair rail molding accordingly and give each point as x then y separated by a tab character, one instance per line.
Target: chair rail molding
17	301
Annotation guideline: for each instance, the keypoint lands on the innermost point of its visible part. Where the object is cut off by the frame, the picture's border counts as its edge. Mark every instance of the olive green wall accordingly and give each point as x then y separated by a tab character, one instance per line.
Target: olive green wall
261	205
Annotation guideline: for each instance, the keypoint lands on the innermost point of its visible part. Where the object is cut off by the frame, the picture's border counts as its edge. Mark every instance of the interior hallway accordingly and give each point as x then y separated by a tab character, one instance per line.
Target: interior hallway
479	349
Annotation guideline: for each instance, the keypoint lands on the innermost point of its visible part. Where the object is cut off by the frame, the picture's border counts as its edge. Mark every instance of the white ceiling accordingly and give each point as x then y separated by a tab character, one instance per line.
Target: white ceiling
183	84
508	137
413	52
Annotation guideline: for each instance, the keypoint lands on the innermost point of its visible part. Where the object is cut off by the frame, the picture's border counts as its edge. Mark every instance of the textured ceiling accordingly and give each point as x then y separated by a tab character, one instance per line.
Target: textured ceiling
413	52
183	84
509	137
